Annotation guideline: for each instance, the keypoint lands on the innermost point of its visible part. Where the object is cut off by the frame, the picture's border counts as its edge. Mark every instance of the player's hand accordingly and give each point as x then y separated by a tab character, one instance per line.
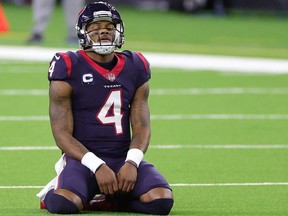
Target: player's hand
106	180
127	177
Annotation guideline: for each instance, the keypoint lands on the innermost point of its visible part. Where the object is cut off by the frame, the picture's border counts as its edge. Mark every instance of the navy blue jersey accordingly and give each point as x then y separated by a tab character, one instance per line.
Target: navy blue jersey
101	98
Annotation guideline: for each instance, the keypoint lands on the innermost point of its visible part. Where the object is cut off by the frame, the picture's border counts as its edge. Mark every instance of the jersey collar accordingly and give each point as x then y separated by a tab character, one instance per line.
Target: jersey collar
110	75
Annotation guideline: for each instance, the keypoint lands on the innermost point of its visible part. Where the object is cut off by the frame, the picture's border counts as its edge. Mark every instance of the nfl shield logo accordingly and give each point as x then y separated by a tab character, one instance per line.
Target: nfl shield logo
111	77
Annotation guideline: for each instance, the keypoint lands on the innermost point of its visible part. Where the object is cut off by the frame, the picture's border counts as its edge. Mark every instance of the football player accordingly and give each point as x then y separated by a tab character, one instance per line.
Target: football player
95	95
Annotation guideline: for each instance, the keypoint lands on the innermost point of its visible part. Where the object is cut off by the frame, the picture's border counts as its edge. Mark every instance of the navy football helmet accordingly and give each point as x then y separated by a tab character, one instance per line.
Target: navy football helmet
99	11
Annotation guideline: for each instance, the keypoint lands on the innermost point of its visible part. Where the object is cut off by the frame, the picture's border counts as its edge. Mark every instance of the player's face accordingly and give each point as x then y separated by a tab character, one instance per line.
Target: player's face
101	32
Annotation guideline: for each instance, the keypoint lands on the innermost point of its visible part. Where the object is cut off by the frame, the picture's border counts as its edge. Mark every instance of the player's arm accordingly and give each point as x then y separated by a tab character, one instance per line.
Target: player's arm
61	119
140	119
140	123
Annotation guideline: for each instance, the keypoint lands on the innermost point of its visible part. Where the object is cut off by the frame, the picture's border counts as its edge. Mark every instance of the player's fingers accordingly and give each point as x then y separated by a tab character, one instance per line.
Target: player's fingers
115	187
124	187
103	190
112	187
129	187
110	190
120	184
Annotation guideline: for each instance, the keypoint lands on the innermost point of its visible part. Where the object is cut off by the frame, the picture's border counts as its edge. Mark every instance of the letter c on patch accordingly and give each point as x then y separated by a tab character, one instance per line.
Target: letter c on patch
87	78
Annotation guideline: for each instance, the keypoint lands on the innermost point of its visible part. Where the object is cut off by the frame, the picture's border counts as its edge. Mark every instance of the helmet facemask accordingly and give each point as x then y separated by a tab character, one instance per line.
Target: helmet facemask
97	12
100	47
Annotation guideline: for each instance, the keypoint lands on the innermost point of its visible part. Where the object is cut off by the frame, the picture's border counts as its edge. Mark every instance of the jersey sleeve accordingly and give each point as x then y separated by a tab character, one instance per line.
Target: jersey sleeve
60	67
144	69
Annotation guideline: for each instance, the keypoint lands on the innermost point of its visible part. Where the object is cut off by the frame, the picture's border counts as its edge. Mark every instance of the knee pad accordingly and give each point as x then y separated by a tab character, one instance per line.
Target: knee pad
58	204
155	207
161	206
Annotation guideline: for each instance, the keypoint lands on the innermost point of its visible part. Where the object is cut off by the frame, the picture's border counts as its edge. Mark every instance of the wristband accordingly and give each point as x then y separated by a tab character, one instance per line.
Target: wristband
132	163
135	155
91	161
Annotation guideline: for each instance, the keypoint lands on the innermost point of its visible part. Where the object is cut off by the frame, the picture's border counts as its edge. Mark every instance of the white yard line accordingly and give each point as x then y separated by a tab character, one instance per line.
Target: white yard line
218	91
174	117
221	117
165	60
217	63
229	146
188	91
229	184
21	187
23	92
28	148
24	118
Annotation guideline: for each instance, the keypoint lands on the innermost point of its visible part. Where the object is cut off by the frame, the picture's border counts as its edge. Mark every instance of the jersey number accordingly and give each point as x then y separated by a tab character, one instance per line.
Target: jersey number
110	113
51	68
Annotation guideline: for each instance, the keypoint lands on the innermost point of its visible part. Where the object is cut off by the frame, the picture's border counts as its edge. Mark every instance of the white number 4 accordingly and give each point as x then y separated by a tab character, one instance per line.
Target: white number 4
51	68
110	113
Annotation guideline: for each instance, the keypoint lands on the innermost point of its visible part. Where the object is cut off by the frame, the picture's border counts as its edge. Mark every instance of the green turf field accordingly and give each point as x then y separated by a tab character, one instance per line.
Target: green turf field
225	152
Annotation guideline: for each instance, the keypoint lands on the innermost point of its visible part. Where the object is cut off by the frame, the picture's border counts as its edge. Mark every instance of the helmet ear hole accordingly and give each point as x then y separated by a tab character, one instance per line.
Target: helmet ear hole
98	11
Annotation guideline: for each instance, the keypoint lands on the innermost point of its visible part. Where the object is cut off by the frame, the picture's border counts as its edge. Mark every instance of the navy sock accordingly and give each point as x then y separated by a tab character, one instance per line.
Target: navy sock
58	204
156	207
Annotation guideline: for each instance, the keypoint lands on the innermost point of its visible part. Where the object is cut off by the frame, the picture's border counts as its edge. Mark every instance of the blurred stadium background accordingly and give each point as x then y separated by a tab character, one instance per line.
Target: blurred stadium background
218	6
